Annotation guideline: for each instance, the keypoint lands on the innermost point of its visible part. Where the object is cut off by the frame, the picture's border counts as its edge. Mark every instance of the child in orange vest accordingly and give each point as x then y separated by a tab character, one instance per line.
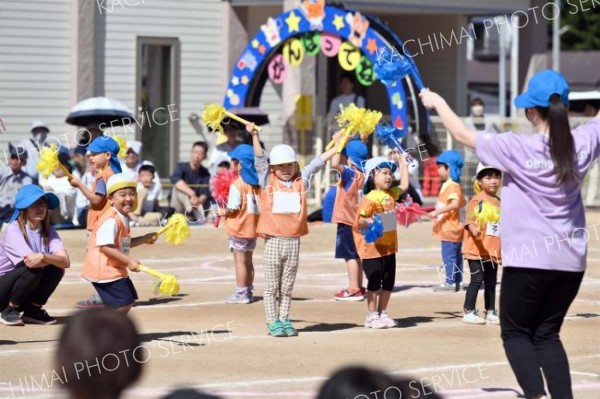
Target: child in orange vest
103	155
241	220
107	260
379	257
446	219
347	197
481	245
282	221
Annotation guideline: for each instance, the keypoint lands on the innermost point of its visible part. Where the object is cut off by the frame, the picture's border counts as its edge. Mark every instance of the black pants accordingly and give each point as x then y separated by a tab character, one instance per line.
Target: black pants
24	286
533	305
482	271
380	272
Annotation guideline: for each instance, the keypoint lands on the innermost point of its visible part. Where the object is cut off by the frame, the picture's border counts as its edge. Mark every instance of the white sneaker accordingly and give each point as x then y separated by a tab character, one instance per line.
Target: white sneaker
491	317
374	321
473	318
387	320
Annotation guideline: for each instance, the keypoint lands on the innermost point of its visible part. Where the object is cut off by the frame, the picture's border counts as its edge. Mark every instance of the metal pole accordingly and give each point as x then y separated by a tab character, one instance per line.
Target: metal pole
514	64
556	39
502	72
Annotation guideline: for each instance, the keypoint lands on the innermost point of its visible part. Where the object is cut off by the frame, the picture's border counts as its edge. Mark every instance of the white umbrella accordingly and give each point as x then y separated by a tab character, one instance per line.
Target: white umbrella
98	110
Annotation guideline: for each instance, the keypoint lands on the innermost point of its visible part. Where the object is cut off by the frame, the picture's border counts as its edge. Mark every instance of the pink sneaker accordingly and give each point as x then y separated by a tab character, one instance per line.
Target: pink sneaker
349	295
374	321
387	320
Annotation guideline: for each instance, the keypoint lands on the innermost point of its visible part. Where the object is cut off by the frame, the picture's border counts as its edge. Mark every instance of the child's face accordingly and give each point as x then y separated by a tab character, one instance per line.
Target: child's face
124	199
99	159
285	171
146	178
383	178
236	166
443	171
37	211
490	183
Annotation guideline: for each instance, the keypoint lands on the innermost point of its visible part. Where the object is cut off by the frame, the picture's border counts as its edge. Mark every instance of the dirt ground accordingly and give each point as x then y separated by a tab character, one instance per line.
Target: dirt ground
195	339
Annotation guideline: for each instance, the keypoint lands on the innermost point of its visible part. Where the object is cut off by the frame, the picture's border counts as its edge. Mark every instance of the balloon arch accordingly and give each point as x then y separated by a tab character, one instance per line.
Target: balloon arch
358	41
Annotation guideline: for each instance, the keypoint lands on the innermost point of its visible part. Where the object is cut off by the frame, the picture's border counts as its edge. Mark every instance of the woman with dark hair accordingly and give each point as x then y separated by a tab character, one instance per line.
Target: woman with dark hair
108	341
543	228
32	259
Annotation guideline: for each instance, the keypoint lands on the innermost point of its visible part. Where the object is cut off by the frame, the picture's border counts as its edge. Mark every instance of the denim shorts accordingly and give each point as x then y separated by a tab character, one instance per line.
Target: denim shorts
345	248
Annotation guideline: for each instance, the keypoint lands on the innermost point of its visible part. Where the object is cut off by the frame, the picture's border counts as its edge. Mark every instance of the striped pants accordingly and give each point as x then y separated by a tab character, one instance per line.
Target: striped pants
280	260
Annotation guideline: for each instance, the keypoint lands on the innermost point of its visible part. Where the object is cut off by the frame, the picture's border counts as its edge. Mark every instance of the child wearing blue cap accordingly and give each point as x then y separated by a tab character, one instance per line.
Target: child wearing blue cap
446	219
379	257
350	166
103	155
241	218
32	259
541	209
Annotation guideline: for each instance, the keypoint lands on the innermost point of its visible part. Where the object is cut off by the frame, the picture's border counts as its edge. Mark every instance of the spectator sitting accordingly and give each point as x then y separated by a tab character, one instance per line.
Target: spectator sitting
12	178
58	183
148	211
191	194
133	162
31	146
81	202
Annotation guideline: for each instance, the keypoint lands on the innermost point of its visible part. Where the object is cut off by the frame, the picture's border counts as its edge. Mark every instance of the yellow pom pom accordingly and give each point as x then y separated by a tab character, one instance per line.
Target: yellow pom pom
48	161
350	117
369	121
177	229
486	213
122	146
212	116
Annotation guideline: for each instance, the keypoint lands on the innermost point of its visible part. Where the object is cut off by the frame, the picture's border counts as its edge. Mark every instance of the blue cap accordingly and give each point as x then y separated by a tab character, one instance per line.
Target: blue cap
107	144
454	161
244	153
357	151
28	195
377	163
541	87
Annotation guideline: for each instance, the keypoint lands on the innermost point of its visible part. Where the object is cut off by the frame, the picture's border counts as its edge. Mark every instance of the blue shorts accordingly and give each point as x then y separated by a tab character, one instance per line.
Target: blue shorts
118	293
344	243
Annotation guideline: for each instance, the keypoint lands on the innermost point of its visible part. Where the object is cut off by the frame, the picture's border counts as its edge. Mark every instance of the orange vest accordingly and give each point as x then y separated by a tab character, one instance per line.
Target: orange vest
447	226
346	202
94	212
487	245
96	265
243	222
283	209
385	245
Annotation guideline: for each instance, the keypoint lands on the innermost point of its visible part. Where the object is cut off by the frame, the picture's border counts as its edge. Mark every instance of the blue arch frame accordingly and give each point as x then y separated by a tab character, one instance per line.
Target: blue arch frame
259	51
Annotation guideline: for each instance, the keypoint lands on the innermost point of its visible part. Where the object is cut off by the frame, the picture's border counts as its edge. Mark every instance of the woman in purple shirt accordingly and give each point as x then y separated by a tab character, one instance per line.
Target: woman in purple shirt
32	259
543	228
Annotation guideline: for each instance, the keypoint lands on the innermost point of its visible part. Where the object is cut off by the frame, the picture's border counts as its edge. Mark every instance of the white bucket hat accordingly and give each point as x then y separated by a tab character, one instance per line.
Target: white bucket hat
135	145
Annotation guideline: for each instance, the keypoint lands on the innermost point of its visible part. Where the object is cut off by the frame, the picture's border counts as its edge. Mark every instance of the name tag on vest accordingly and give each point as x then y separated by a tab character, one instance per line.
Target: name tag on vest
493	229
125	245
388	219
251	204
286	202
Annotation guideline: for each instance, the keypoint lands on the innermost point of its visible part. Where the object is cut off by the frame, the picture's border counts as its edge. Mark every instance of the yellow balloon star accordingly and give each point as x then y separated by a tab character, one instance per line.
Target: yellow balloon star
338	22
293	23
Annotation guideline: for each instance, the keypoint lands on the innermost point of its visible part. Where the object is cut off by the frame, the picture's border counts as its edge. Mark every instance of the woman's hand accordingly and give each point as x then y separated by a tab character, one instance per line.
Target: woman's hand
430	99
34	261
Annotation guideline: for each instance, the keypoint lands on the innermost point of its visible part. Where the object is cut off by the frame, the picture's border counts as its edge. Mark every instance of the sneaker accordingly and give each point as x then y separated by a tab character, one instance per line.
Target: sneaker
387	320
239	297
363	291
444	287
491	317
473	318
11	317
288	328
350	295
374	321
37	316
93	302
275	329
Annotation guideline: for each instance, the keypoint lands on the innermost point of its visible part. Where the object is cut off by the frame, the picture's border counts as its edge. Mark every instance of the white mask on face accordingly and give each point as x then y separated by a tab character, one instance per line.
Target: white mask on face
477	110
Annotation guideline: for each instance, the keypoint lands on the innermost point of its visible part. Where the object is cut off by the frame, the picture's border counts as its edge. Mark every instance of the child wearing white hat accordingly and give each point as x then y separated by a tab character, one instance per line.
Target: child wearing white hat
282	221
107	260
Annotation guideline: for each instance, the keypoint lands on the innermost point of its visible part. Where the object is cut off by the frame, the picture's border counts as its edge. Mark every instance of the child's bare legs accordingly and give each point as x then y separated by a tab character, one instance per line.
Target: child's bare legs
244	268
384	299
355	273
372	300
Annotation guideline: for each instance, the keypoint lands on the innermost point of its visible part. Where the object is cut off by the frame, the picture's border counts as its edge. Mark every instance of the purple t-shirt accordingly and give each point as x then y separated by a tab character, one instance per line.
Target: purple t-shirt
542	224
13	246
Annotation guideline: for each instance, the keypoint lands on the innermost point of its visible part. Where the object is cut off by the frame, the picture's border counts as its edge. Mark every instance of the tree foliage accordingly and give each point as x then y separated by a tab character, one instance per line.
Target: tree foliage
583	19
